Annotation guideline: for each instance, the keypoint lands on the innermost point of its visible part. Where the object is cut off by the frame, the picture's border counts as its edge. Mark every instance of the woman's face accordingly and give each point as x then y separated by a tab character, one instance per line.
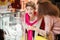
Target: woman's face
30	11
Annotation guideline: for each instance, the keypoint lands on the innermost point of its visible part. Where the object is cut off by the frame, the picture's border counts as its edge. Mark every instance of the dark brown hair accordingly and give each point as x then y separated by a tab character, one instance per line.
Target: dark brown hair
31	4
47	8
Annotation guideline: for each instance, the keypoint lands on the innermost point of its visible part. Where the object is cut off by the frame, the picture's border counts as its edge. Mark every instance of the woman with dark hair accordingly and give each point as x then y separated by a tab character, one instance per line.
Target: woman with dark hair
16	4
48	15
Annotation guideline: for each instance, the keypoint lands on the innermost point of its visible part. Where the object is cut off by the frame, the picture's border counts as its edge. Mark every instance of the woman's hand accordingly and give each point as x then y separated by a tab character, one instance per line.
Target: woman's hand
41	32
31	28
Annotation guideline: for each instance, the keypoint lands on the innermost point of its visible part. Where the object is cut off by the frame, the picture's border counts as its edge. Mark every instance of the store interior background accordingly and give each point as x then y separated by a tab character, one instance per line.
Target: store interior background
23	2
4	5
19	6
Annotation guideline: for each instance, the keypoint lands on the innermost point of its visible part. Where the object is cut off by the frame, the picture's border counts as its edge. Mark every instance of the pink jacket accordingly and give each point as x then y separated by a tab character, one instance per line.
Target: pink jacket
52	24
56	26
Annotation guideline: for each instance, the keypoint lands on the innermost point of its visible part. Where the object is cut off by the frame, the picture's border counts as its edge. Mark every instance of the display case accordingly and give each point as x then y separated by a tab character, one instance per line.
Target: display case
11	25
4	19
7	18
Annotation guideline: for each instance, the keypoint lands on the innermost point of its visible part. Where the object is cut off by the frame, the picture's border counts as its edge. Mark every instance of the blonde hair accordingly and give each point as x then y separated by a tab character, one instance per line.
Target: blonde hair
31	4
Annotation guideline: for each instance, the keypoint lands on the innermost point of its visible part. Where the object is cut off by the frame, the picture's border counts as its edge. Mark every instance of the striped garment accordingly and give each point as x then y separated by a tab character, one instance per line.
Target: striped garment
56	26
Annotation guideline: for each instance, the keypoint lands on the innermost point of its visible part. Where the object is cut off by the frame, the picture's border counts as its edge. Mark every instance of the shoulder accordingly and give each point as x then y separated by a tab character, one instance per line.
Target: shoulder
47	17
48	20
57	20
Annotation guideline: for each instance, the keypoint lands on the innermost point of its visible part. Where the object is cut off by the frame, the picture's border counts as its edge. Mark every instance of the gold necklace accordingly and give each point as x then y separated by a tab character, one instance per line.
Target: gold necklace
33	18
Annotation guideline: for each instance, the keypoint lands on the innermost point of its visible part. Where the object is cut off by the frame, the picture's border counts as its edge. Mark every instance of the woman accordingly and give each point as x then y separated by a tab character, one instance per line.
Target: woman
30	20
47	12
16	4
